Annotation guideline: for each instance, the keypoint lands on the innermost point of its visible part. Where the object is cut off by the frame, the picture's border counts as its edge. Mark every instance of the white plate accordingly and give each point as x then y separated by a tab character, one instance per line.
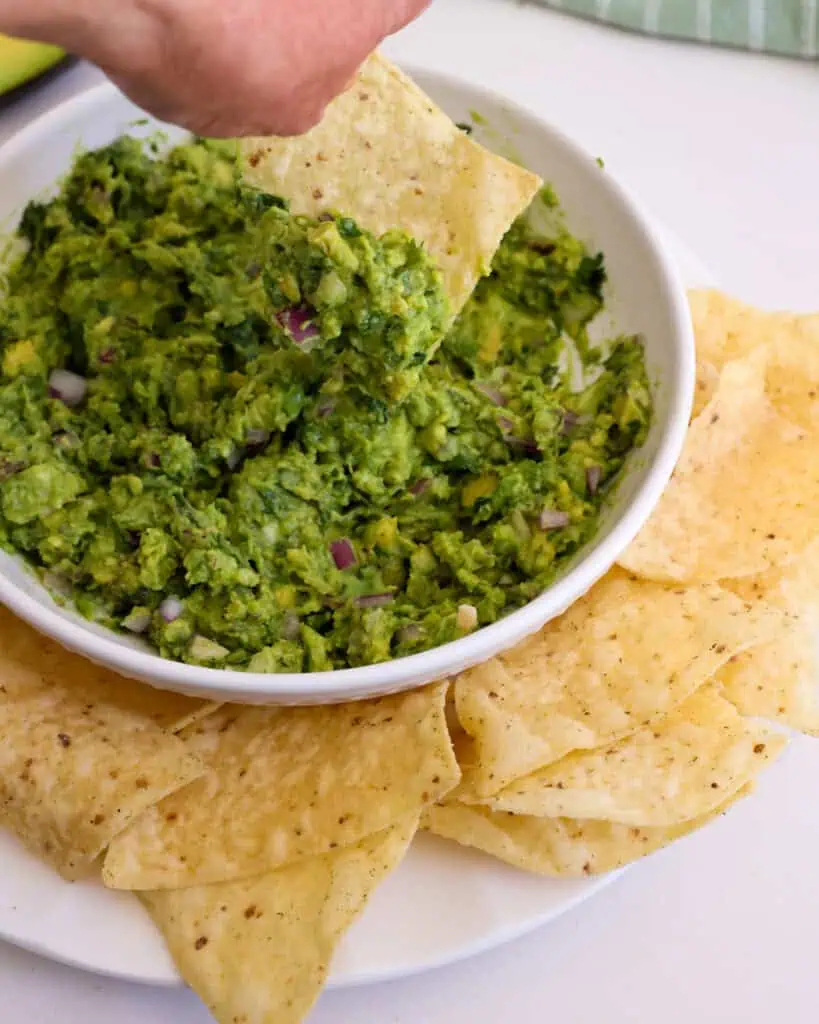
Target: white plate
444	903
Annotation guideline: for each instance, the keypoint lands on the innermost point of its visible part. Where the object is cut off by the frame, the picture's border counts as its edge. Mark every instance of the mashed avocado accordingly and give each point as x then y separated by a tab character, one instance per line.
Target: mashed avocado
237	431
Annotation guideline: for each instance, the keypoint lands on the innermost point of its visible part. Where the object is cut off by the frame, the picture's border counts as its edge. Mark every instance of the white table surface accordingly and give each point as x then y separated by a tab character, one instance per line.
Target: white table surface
723	927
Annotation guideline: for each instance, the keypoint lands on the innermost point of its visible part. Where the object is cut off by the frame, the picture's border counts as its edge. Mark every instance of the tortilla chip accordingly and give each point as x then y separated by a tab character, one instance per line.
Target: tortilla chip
681	768
29	661
793	587
562	847
625	654
777	680
705	386
81	755
727	329
743	496
387	156
792	372
257	951
289	783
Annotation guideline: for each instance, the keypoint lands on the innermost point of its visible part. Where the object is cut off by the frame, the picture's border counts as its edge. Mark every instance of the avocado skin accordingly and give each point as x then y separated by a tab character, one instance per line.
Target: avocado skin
21	60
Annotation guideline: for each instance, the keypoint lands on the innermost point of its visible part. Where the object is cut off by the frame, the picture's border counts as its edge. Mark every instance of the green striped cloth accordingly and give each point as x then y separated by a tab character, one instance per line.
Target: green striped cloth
788	27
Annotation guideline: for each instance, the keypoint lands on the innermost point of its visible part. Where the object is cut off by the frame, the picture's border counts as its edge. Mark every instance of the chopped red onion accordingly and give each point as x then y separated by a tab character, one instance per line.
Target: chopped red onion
593	475
170	609
570	421
59	584
492	394
506	425
257	437
553	519
138	620
325	408
409	634
107	355
66	386
373	600
9	468
290	627
343	553
298	322
526	444
234	458
65	439
420	486
466	617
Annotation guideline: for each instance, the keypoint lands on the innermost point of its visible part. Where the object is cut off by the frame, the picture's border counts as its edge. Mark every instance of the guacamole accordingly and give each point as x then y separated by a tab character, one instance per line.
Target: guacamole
240	434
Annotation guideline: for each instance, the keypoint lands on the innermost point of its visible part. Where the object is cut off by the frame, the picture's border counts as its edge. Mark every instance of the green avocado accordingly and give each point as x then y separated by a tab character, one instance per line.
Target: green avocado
243	433
21	61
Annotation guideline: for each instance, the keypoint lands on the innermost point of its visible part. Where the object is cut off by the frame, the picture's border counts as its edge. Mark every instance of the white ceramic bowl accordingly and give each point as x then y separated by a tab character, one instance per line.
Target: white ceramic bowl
645	295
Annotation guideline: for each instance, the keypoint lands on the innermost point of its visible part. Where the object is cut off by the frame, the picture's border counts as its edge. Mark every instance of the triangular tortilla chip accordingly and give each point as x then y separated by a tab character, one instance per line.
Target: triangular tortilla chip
289	783
385	155
680	768
81	753
562	847
625	654
257	951
743	496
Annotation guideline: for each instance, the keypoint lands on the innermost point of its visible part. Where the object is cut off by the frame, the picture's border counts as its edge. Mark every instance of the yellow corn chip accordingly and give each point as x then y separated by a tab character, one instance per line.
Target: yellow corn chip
707	381
563	847
625	654
257	951
727	329
29	660
793	587
81	754
744	494
387	156
289	783
678	769
777	680
792	372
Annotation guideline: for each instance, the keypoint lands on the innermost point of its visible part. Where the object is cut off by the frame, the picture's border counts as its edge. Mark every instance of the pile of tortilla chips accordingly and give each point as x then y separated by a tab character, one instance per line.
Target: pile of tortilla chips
255	836
653	703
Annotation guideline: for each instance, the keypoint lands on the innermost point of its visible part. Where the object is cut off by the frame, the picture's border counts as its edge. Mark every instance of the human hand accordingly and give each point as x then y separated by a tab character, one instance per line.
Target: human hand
250	67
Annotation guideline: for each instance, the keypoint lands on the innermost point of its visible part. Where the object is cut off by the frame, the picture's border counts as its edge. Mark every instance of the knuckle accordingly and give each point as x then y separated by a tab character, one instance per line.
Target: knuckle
296	122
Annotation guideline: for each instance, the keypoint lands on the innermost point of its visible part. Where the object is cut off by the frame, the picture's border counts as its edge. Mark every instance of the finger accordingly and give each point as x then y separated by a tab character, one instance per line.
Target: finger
407	11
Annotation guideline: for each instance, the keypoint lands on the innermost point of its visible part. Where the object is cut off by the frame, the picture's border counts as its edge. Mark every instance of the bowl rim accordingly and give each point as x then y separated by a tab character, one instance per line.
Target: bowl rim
438	662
